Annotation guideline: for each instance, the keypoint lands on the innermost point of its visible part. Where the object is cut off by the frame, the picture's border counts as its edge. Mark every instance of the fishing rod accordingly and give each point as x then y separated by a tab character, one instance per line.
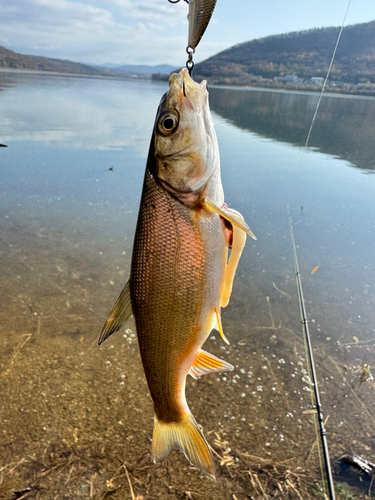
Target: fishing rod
305	328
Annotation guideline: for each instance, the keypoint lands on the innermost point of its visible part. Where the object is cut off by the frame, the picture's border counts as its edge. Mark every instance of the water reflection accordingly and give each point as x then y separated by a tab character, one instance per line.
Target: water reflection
345	126
79	115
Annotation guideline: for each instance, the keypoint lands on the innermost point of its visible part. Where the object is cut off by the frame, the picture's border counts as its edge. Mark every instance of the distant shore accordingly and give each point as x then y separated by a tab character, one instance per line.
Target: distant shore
278	85
346	89
61	73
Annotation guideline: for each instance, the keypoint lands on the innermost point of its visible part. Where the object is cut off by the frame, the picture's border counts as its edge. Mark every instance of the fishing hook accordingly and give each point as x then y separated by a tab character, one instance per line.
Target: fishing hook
176	1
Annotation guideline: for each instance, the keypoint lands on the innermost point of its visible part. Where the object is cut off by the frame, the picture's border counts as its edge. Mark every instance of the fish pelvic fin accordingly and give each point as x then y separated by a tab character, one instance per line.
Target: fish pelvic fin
234	217
185	436
120	314
208	363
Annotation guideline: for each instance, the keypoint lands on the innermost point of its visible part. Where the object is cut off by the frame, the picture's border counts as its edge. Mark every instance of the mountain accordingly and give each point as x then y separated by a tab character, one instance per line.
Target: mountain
13	60
300	55
109	65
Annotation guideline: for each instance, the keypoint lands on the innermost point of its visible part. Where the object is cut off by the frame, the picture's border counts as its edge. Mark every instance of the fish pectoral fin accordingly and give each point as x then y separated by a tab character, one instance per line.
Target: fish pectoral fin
234	217
208	363
186	436
120	314
238	244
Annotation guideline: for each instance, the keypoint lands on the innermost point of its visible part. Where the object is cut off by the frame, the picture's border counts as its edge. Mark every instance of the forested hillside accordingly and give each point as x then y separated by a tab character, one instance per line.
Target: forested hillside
304	54
13	60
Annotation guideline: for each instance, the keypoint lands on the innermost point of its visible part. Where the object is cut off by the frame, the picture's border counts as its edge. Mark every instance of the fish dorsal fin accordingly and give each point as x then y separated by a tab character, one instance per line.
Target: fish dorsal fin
207	363
234	217
120	314
238	244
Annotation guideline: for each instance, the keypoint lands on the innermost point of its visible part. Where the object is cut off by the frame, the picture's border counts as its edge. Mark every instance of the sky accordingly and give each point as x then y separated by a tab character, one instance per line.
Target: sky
155	31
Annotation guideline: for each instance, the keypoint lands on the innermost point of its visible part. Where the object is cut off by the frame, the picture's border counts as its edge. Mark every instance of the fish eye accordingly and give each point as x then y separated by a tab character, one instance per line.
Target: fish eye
168	123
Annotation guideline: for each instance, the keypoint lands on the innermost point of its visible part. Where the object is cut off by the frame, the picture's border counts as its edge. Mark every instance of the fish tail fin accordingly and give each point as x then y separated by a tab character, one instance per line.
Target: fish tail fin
185	436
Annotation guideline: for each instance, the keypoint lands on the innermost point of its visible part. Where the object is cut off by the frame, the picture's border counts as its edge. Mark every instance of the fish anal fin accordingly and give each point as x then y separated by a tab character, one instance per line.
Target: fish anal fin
186	436
231	215
208	363
238	244
120	314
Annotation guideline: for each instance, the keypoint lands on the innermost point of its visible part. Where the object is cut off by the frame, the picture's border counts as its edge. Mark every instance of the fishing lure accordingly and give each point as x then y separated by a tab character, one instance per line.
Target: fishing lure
200	13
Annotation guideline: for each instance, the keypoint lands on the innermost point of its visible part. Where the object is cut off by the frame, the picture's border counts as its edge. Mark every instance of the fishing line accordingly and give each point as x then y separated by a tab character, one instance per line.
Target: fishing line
328	73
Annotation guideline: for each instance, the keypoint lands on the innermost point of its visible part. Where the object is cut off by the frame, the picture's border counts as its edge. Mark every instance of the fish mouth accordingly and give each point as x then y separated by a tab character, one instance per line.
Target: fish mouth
185	85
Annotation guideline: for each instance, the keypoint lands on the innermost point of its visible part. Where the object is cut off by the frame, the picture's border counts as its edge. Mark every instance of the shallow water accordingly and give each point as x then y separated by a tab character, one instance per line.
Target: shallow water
66	230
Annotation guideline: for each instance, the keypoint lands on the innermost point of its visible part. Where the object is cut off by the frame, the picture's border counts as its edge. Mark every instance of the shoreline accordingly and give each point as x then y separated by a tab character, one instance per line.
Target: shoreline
59	73
288	89
281	90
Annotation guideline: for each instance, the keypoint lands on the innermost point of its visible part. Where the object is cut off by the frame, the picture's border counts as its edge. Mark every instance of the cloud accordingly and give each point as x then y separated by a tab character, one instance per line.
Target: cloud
161	12
51	15
119	31
153	31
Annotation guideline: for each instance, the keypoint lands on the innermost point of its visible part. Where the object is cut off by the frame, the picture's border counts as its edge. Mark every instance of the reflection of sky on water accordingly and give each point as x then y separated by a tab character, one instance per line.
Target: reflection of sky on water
80	115
344	126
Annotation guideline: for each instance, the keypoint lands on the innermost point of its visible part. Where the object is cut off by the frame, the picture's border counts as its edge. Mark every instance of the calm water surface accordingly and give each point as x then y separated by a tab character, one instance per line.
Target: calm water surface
66	230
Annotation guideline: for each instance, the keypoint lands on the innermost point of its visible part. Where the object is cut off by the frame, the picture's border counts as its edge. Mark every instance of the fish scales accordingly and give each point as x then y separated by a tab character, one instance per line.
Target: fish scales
174	291
180	277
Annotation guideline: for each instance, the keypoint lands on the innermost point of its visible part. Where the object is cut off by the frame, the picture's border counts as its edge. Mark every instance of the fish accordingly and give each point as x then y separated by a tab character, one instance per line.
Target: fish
200	13
180	274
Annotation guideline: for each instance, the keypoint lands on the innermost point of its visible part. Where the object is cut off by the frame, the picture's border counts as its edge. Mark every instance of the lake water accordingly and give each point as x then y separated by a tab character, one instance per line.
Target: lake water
76	418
